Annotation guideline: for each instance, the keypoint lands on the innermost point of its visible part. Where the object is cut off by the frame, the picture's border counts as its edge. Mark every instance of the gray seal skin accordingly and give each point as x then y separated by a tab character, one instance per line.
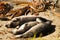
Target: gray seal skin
23	28
35	29
21	20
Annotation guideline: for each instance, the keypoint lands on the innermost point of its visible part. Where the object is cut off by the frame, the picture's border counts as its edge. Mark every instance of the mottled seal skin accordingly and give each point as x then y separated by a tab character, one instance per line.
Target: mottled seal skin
36	29
26	26
21	20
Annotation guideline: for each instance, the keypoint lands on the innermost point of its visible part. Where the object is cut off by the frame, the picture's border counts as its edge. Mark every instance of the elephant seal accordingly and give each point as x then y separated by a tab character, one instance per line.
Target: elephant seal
35	29
23	28
21	20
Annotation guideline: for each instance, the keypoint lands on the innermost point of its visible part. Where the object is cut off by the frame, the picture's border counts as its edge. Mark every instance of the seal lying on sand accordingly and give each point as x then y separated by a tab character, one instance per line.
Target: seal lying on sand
21	20
37	29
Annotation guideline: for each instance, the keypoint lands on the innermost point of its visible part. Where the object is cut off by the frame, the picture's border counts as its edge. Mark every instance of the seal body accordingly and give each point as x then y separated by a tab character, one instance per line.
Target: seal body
37	29
21	20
